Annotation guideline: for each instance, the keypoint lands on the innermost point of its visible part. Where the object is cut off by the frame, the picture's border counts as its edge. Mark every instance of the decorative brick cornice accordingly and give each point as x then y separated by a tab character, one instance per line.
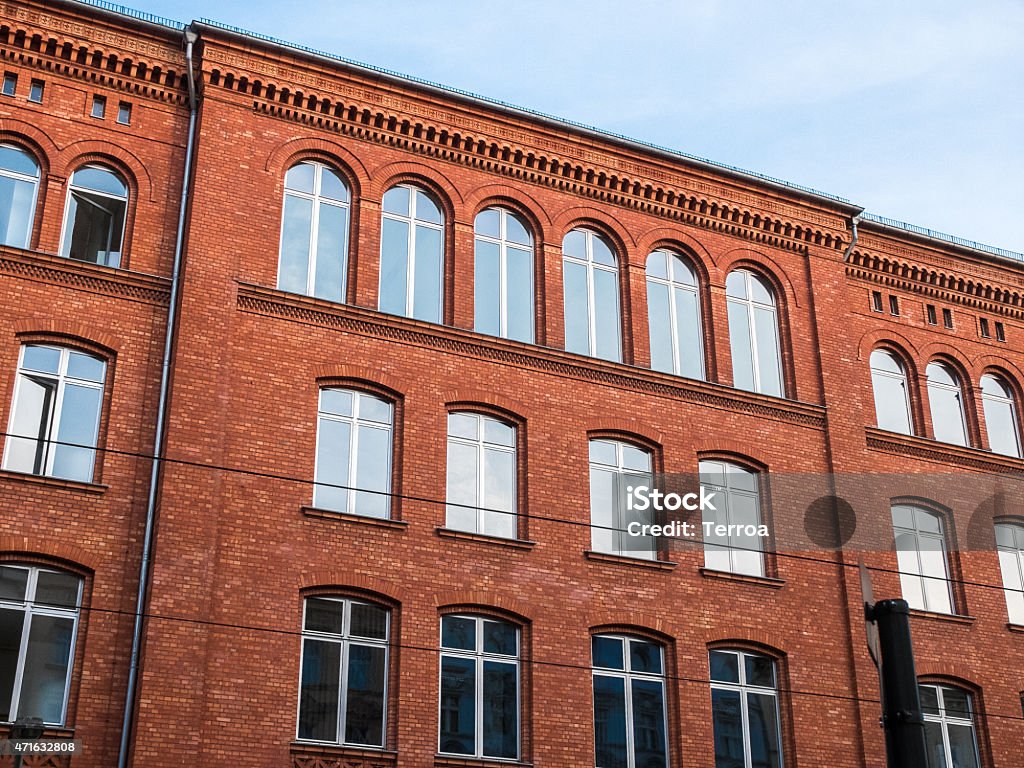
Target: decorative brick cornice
93	278
364	322
326	756
944	453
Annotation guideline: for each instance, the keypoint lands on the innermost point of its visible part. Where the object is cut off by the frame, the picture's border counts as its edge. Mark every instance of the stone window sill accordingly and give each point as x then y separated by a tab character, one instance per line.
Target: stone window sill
762	581
949	618
483	538
305	753
1015	627
606	557
373	522
454	761
52	482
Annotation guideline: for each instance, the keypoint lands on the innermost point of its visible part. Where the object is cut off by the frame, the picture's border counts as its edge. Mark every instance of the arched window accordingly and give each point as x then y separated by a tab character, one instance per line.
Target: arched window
1000	416
949	727
947	404
314	232
754	334
729	544
95	215
481	475
591	285
1010	545
55	419
479	702
353	453
630	714
342	688
673	312
19	185
411	254
615	467
892	393
38	624
922	557
745	710
503	277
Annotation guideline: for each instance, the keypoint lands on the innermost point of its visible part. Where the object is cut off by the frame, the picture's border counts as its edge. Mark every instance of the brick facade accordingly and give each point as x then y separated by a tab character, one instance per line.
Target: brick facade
238	546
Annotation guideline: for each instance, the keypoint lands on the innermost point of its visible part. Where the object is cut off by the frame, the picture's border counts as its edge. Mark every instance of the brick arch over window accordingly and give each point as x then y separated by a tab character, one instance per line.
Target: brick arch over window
62	331
628	430
630	622
517	201
290	153
763	266
430	179
734	452
682	242
342	580
331	374
32	140
601	222
893	341
752	640
484	603
502	406
44	550
133	170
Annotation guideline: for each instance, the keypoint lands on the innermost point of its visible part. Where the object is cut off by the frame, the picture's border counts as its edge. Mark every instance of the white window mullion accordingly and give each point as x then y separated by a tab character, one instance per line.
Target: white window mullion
627	685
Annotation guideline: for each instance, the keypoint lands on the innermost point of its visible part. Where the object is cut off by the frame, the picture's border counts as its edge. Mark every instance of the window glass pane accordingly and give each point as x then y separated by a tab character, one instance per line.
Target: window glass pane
736	285
962	748
606	309
768	360
520	320
657	265
364	712
603	518
690	348
488	222
501	710
295	233
635	458
30	423
374	409
427	278
903	517
760	292
575	244
458	706
17	197
332	234
55	588
499	493
13	582
1001	423
500	637
937	595
369	621
929	699
324	615
487	288
458	632
956	703
885	361
660	322
94	226
644	657
300	178
725	667
577	308
498	432
333	442
85	367
463	469
17	160
79	422
649	745
44	679
11	626
727	719
373	472
466	425
1011	563
318	690
740	343
940	374
336	401
764	730
426	209
396	200
936	751
741	479
45	359
332	187
760	670
927	522
947	414
607	652
603	253
516	231
610	721
603	452
100	180
394	256
891	410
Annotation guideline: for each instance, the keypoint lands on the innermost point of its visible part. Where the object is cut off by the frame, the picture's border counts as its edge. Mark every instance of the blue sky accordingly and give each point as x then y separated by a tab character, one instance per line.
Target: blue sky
914	110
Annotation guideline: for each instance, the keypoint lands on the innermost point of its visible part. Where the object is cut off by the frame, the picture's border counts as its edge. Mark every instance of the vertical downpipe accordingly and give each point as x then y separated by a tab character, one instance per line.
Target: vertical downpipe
147	543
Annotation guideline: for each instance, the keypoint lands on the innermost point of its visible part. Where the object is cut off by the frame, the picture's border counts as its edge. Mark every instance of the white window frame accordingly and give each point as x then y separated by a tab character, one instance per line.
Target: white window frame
30	609
56	407
743	688
728	492
478	657
1015	528
751	304
671	283
945	720
410	261
987	397
317	200
345	640
957	389
503	245
591	266
627	675
920	576
480	444
623	477
355	422
901	377
126	199
33	180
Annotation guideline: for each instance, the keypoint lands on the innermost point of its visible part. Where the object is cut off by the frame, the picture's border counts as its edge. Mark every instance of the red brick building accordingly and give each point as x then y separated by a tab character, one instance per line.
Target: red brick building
422	341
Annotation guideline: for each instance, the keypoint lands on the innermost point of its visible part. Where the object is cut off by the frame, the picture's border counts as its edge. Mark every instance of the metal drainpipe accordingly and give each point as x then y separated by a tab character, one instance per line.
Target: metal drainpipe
854	221
147	543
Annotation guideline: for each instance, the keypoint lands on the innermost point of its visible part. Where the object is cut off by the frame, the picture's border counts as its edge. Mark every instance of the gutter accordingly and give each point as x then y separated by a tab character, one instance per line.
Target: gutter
854	221
190	37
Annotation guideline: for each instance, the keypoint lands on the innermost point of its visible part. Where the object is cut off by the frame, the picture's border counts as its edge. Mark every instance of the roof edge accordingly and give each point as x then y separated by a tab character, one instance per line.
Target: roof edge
933	237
